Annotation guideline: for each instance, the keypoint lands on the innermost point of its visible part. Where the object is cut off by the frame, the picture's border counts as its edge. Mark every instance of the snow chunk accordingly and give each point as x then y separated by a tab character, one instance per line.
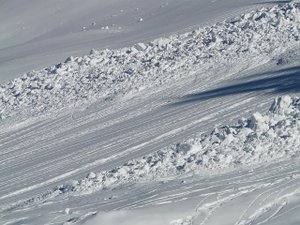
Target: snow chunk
281	105
140	46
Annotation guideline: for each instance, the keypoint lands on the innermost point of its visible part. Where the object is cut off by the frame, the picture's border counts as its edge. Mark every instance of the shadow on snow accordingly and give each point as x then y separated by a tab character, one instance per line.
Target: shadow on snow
273	2
278	82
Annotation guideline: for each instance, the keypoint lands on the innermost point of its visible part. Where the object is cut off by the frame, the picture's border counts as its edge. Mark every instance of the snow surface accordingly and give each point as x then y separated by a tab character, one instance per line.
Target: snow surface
258	139
139	134
36	34
111	72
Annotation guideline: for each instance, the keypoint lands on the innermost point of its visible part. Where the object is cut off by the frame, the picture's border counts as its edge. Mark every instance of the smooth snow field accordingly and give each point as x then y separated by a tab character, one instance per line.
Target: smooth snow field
183	113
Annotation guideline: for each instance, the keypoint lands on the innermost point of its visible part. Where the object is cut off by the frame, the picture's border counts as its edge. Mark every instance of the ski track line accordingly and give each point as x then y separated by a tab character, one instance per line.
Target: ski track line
102	160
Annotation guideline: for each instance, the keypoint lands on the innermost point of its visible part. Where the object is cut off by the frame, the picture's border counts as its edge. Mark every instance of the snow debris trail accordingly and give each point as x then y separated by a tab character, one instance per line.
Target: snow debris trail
105	74
260	139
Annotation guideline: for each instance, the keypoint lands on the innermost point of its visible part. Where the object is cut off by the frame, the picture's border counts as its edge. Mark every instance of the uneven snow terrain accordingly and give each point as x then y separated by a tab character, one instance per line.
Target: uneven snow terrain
156	132
36	34
108	73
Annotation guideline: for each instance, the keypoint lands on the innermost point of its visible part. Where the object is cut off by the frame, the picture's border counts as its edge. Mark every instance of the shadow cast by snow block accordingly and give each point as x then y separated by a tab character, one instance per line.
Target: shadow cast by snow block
273	2
284	81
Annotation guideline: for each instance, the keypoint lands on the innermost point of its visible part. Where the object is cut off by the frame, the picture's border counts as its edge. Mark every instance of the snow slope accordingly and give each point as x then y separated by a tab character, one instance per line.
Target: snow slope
36	34
258	139
107	73
101	139
266	195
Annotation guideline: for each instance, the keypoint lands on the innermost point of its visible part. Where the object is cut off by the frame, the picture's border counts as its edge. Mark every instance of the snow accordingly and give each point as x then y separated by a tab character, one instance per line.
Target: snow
259	139
36	34
107	73
172	130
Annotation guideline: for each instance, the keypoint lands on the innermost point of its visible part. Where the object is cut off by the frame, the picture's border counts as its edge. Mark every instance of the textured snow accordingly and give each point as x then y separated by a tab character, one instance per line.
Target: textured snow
36	34
71	167
259	139
108	73
262	138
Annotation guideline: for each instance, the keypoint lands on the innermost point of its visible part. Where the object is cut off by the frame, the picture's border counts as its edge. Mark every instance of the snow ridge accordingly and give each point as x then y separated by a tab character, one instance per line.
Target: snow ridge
270	137
107	73
258	139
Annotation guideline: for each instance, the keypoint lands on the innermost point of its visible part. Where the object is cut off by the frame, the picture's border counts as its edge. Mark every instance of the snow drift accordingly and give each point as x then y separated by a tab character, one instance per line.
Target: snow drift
107	73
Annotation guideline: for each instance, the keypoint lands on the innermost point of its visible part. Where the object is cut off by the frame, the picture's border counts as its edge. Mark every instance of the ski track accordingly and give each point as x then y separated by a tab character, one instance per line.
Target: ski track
111	139
217	196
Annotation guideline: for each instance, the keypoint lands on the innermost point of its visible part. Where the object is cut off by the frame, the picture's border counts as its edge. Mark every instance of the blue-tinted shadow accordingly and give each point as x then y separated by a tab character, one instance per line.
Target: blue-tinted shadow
273	2
278	82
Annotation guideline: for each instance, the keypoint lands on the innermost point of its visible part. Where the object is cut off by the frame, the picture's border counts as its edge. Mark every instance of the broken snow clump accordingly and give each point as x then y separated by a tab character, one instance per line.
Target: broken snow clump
261	138
107	73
